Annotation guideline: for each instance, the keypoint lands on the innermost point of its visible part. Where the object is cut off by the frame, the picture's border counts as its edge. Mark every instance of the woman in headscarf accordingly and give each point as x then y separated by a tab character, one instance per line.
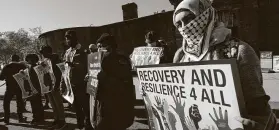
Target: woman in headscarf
204	38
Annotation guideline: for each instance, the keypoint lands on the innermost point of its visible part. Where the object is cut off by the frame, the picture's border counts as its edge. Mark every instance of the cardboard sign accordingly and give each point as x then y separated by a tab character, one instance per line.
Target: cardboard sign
276	63
266	59
25	84
94	67
146	56
193	96
68	94
46	76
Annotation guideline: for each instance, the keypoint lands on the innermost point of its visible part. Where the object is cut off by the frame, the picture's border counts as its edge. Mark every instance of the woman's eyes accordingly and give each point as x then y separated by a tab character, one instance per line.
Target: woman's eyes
185	20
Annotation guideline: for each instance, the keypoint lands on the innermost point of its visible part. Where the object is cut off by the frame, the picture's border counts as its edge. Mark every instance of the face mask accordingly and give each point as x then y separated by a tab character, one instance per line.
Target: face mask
193	32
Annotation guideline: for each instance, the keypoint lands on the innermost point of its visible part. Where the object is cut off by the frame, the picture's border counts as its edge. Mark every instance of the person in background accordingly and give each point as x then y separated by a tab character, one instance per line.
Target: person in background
76	58
152	40
35	100
12	89
93	48
54	96
115	93
211	40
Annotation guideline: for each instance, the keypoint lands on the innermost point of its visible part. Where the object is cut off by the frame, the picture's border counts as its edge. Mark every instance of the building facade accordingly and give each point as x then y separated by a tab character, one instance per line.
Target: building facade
254	21
129	33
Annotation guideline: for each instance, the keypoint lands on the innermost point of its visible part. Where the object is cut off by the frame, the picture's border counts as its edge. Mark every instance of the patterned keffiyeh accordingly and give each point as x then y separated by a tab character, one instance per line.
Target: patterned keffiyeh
196	34
194	31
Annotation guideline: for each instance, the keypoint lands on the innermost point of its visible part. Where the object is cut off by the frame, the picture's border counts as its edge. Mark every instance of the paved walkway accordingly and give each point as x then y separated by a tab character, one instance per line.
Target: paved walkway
140	122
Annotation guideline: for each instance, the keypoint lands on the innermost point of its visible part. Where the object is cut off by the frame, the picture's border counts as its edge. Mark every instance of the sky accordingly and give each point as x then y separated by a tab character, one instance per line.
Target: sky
56	14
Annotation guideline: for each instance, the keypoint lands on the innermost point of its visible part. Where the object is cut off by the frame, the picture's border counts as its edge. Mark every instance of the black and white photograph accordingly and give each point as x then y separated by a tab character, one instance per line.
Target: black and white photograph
139	65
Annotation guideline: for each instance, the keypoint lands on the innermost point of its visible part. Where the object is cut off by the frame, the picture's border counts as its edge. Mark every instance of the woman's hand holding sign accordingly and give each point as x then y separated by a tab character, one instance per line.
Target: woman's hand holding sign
250	124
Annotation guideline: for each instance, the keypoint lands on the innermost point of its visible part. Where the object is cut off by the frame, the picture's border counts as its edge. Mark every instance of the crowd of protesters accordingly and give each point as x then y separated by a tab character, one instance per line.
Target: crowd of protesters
204	38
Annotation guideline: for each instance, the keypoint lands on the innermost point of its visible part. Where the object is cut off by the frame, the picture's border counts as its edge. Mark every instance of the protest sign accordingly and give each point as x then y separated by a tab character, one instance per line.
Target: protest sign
276	63
146	56
68	94
25	84
46	76
94	67
192	96
266	59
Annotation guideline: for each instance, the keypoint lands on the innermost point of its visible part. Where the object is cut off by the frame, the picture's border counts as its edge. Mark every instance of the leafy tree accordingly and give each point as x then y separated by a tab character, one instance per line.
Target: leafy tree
19	42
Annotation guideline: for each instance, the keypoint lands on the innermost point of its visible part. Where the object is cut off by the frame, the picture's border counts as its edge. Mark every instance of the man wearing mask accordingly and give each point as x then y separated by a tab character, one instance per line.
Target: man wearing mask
76	59
115	89
54	96
12	88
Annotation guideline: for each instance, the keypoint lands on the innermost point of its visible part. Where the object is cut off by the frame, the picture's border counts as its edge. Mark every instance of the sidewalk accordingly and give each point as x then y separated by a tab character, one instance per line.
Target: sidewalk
140	122
271	82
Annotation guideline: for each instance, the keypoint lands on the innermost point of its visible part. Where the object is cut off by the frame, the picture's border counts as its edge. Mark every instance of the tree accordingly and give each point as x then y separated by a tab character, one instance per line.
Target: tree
20	42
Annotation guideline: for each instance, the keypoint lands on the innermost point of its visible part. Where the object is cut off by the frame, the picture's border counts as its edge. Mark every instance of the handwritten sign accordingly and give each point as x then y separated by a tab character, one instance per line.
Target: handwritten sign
94	67
193	96
25	84
68	94
46	76
146	56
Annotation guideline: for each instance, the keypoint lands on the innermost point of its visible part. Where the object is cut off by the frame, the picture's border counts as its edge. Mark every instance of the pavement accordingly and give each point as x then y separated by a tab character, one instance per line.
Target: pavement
140	122
270	83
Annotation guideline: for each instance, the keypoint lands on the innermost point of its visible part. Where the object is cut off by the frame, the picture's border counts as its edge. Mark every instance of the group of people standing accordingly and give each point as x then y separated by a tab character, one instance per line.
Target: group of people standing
113	87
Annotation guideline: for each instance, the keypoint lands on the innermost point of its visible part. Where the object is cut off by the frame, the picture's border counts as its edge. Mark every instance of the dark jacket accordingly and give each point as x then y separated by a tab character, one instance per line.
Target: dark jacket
8	72
116	92
57	73
79	68
34	79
